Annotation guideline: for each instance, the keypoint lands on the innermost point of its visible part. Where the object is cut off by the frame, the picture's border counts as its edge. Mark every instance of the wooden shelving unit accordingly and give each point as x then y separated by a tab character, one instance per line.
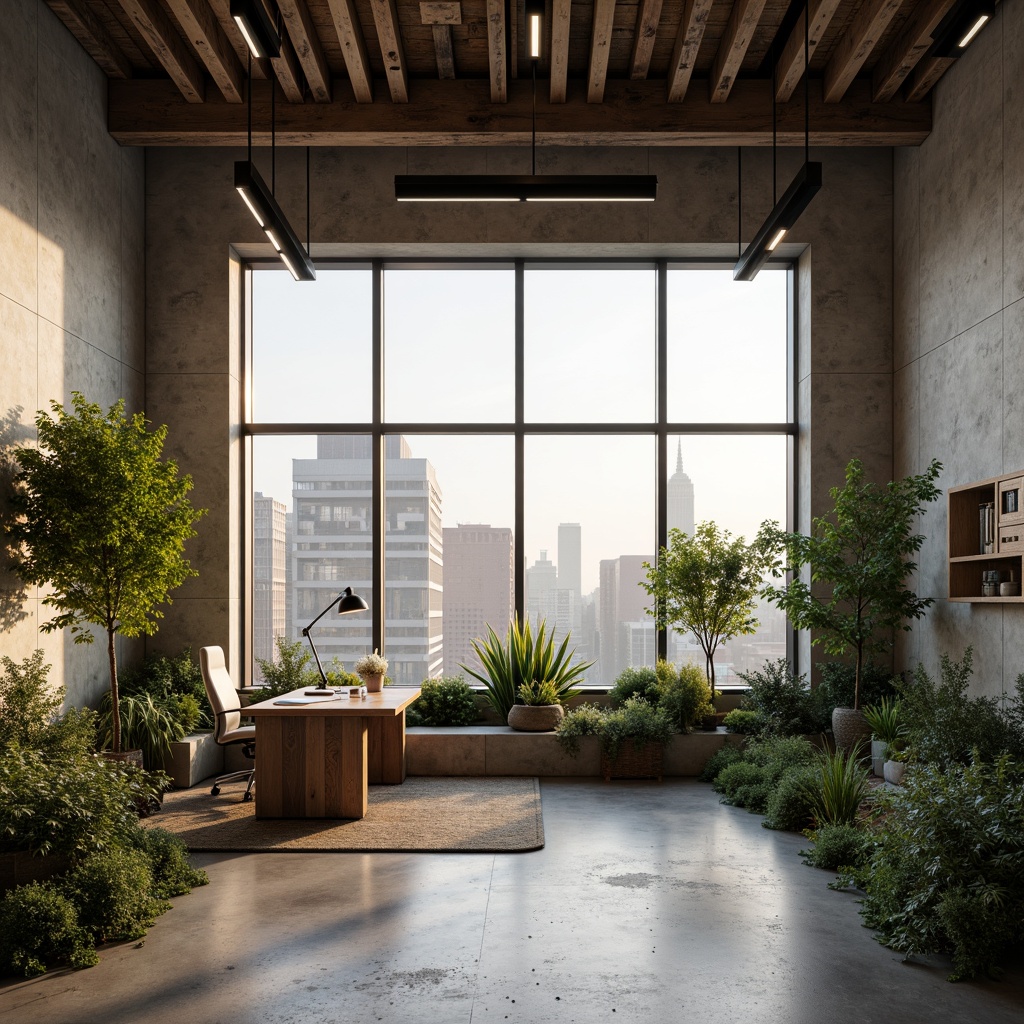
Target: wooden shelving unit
967	561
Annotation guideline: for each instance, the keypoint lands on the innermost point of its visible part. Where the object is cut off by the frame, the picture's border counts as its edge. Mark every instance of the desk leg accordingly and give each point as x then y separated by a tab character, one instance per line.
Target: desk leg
352	775
387	750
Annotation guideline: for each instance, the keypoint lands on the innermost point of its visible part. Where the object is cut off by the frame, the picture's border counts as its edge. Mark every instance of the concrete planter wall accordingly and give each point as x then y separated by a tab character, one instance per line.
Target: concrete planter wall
498	750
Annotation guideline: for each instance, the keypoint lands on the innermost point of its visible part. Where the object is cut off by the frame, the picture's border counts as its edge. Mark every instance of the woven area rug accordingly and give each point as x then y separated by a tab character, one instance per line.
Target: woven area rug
492	815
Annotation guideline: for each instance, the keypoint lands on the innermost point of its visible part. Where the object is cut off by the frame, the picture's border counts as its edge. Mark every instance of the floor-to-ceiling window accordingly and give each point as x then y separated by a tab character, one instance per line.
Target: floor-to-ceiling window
463	442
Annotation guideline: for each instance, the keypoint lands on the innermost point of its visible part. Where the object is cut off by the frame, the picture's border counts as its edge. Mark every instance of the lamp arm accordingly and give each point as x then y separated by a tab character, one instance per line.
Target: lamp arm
316	657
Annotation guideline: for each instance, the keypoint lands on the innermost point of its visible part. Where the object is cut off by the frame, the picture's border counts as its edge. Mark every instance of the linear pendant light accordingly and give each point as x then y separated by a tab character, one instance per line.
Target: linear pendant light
959	27
259	32
794	201
533	187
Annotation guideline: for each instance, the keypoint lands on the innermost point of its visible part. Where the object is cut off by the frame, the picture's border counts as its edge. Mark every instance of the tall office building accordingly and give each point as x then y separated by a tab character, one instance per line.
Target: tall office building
269	583
541	587
680	497
626	630
478	589
333	549
570	574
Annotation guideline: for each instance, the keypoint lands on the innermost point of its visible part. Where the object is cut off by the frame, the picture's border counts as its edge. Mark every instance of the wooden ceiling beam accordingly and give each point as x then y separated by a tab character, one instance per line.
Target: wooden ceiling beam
385	17
922	79
497	50
288	72
203	30
910	46
560	13
790	66
733	48
600	49
165	42
151	113
302	33
643	38
92	34
687	45
868	26
440	15
353	48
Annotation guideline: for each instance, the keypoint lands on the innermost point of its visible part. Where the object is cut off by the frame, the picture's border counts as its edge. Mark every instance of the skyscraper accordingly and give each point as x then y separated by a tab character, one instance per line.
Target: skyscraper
570	574
541	587
478	589
269	582
626	630
333	549
680	497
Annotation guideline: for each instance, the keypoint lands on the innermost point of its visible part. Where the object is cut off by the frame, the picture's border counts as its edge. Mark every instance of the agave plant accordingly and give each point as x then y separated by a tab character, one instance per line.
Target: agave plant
884	720
839	789
522	659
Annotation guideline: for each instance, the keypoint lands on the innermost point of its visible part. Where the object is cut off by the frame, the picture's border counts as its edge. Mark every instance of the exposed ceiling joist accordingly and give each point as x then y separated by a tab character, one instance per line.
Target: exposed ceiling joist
855	47
687	46
93	36
289	74
600	48
302	33
643	38
559	63
440	15
733	47
166	43
923	78
496	51
461	113
208	40
910	46
790	67
353	48
385	17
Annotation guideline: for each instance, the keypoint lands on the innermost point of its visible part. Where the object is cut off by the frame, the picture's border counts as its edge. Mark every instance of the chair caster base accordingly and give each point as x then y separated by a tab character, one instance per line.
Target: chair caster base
247	797
215	791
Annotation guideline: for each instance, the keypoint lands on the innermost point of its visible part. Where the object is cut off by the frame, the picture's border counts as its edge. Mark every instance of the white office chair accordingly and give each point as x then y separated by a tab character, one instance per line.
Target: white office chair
228	729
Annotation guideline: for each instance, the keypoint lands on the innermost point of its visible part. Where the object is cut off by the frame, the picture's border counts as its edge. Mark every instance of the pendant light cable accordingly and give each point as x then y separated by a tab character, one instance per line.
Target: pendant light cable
248	89
807	80
739	201
308	250
533	128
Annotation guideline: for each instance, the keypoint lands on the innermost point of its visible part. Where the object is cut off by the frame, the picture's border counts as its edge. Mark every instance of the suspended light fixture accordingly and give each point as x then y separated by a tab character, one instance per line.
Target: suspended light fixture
257	28
959	27
264	207
795	199
532	187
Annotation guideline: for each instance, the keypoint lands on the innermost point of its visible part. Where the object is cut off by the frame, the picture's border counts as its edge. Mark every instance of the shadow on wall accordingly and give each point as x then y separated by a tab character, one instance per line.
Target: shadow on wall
13	592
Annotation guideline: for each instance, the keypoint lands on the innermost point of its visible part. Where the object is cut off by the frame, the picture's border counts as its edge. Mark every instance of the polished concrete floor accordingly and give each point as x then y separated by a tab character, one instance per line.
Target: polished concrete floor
649	903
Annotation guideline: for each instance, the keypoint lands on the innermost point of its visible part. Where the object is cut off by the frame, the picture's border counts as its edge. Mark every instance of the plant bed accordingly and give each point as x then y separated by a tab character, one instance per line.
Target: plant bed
634	762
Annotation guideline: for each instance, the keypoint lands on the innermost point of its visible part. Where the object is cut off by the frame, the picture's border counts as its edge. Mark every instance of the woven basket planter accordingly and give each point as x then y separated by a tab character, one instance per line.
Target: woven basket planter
631	762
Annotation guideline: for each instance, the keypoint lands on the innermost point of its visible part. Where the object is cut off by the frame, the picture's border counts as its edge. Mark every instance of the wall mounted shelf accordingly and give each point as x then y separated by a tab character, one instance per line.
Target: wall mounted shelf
966	537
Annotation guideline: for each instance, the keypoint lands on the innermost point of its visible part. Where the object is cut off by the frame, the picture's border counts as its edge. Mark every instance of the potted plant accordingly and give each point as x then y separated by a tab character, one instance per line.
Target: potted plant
707	584
855	594
102	520
541	708
895	764
371	668
883	719
632	737
524	659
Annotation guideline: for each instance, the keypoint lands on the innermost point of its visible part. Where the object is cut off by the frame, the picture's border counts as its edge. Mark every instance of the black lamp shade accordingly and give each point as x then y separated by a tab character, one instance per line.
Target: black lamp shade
270	217
520	188
351	603
257	29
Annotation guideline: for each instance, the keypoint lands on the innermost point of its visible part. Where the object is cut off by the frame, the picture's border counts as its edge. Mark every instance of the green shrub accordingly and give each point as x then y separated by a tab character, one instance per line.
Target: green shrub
686	698
736	777
744	723
636	720
72	805
635	682
838	847
778	754
836	690
39	926
445	701
791	802
113	893
175	682
945	727
719	761
147	724
30	711
947	870
842	786
752	781
292	669
173	875
780	700
584	720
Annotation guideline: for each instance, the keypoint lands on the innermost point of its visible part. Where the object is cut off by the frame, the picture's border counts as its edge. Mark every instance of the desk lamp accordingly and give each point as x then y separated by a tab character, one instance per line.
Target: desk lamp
347	603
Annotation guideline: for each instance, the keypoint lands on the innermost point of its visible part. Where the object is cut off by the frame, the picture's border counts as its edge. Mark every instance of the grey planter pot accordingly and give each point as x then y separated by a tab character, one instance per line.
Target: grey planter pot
894	772
850	729
878	757
535	718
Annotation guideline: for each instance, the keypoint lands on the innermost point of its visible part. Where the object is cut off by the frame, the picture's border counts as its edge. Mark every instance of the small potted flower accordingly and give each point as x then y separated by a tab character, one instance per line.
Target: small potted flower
371	668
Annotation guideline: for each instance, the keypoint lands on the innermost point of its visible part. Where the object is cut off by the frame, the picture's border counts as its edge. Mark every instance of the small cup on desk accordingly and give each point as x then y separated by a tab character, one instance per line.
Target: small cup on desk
1010	589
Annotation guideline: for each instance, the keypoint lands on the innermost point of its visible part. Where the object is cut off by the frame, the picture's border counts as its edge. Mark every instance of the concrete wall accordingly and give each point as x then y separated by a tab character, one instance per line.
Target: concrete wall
959	324
196	222
72	254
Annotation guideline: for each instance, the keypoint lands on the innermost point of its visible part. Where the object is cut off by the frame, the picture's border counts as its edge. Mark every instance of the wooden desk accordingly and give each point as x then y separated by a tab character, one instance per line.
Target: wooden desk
316	760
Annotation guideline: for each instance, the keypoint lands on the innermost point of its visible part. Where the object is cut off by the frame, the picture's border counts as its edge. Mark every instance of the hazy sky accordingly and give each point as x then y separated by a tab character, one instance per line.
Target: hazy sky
589	357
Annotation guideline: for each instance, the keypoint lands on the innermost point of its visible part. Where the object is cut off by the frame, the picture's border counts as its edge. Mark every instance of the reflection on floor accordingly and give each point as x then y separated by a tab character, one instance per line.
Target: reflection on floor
650	903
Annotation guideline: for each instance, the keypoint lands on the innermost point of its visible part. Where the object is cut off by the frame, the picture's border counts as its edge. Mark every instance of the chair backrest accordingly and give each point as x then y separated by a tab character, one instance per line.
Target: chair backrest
220	690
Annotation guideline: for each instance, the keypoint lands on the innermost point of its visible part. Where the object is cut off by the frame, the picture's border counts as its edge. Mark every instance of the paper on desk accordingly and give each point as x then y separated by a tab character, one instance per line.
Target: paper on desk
301	700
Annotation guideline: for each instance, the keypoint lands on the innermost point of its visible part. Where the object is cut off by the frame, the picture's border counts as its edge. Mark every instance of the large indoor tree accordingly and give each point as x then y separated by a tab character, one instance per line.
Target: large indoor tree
707	584
102	519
